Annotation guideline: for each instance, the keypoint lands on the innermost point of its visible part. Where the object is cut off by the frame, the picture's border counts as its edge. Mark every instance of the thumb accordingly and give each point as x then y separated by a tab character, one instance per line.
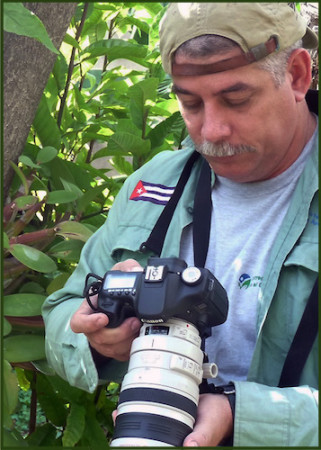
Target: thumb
85	321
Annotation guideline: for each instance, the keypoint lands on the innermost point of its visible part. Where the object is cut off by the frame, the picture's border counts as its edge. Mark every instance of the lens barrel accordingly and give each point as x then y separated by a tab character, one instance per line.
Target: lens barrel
160	392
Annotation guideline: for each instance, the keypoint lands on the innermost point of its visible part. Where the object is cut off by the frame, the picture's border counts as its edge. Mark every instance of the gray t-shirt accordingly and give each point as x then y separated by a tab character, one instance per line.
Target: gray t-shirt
246	218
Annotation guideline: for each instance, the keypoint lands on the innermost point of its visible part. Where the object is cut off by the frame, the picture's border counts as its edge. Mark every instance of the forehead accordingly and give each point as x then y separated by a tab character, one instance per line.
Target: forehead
242	79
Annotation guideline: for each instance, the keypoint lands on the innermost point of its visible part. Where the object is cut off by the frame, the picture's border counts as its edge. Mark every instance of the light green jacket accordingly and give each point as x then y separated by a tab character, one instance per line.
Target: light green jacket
265	415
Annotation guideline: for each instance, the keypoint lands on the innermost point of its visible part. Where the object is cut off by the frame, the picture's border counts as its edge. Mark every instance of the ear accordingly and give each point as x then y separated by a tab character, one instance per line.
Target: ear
299	68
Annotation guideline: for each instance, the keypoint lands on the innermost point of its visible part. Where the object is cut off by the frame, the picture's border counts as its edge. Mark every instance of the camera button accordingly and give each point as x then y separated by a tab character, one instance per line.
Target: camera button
191	275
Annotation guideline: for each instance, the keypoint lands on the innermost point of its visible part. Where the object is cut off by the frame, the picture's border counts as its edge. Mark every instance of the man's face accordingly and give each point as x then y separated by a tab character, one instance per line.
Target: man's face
251	123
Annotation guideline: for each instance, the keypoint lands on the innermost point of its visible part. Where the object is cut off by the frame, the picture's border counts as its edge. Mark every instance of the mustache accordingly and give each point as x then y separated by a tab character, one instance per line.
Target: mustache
223	149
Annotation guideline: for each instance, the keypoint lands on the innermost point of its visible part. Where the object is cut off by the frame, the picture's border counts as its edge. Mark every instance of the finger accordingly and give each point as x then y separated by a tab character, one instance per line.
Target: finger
129	265
114	415
116	342
194	439
211	429
108	336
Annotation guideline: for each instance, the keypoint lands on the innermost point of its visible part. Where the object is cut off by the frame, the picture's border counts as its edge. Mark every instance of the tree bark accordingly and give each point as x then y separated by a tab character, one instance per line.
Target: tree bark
27	65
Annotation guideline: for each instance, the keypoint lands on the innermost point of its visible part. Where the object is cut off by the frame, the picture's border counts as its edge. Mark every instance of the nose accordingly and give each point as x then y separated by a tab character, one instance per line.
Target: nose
216	126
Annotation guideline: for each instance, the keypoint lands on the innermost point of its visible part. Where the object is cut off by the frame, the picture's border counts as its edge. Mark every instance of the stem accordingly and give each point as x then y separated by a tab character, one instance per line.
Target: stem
13	272
33	405
101	211
26	218
71	66
110	34
13	286
33	236
91	148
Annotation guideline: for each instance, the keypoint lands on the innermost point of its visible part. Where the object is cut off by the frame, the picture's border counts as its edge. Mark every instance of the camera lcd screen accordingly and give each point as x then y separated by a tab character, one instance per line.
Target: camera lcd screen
123	281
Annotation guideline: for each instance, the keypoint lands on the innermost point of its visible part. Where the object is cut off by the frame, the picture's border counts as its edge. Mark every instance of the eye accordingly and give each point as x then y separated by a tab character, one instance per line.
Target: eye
191	105
236	102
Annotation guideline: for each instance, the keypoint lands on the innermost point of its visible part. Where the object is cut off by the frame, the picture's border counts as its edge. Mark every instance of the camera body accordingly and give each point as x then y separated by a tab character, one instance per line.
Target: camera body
166	288
178	305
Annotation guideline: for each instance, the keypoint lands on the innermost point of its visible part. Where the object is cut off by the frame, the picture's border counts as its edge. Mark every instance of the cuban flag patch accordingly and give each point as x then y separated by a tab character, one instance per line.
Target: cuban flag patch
150	192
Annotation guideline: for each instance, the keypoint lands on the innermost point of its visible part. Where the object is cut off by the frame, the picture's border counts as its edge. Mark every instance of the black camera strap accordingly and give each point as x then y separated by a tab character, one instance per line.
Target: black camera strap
302	342
201	214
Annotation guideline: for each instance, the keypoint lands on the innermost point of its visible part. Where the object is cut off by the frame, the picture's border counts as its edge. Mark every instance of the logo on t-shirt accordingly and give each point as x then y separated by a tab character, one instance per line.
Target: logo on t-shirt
246	281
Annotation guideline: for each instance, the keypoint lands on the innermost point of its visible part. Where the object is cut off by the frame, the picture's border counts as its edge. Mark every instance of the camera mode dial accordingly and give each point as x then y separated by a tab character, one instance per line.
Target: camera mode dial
191	276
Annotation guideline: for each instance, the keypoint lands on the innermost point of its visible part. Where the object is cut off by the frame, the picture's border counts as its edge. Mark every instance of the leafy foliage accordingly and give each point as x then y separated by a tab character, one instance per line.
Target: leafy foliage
106	110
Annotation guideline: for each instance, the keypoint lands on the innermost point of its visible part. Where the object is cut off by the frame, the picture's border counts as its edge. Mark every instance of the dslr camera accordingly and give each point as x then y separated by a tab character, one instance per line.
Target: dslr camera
177	305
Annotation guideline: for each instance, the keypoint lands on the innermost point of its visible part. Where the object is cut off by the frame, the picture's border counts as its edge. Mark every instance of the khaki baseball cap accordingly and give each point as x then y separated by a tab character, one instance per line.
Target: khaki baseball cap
258	28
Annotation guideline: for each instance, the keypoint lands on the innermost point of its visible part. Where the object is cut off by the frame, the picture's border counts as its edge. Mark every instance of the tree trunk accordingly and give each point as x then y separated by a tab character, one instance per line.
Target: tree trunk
27	65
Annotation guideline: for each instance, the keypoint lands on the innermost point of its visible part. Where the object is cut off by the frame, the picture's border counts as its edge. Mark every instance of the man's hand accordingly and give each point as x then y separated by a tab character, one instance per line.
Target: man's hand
214	422
111	342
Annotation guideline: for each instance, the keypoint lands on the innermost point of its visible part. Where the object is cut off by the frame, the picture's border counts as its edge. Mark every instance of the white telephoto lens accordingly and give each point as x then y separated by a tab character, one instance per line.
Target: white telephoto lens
160	392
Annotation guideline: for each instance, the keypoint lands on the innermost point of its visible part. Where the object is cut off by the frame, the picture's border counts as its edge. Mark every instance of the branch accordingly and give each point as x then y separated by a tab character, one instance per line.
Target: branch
71	66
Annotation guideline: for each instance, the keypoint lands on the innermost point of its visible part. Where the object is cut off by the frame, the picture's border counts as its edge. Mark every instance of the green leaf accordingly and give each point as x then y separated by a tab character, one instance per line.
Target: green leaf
20	174
51	402
33	258
6	327
75	425
23	381
13	439
10	391
5	240
23	305
139	94
71	187
23	348
144	90
43	436
42	366
59	73
93	435
114	49
159	133
46	126
19	20
61	196
68	250
121	165
71	41
91	195
127	144
73	230
59	282
31	287
46	154
27	162
67	392
136	22
25	201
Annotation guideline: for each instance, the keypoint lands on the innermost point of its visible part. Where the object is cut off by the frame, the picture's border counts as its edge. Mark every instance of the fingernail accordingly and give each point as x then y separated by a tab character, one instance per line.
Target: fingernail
136	269
193	444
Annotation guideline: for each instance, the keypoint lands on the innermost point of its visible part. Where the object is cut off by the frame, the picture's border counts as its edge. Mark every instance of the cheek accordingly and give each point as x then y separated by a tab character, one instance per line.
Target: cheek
193	124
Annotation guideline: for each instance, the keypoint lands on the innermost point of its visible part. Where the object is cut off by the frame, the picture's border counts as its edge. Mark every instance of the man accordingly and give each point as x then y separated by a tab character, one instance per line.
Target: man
241	74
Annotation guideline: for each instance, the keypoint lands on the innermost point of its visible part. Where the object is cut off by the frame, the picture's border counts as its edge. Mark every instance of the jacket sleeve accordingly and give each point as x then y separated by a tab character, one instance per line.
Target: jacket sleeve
280	416
67	352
